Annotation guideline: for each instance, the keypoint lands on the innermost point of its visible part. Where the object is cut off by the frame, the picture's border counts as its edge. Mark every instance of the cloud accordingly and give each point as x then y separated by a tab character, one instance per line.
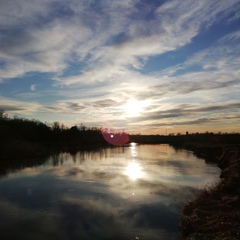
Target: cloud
191	115
45	49
64	107
221	58
118	60
38	42
47	41
75	106
105	103
15	106
187	109
97	54
200	122
197	82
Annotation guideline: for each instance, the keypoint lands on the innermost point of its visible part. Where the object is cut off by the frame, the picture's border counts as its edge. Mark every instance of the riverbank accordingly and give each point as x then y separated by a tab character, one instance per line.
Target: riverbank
215	213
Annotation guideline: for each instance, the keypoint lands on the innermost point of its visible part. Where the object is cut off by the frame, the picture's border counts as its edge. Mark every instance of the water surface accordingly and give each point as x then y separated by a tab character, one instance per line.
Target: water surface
131	192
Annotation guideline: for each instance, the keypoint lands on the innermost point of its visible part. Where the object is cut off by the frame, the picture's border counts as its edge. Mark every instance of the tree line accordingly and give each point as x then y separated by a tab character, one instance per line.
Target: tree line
20	136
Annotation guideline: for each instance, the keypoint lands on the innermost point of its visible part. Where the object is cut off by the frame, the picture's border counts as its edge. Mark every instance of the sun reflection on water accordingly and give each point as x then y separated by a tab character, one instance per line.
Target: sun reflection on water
134	169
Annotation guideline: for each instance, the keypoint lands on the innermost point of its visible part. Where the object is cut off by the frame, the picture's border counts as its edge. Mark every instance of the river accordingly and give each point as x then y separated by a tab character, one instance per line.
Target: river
133	192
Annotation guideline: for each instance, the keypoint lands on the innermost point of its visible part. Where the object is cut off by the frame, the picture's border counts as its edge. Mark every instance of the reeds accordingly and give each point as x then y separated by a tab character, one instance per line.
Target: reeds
215	214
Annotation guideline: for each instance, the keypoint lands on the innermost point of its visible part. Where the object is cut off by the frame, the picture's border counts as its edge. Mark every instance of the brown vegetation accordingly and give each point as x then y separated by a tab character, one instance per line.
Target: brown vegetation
215	214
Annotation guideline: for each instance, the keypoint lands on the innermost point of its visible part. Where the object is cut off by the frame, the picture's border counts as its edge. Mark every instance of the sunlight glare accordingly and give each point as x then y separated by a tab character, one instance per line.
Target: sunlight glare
134	107
133	150
134	171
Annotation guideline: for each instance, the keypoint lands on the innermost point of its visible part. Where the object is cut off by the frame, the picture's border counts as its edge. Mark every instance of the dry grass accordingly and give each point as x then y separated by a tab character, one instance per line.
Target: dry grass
215	214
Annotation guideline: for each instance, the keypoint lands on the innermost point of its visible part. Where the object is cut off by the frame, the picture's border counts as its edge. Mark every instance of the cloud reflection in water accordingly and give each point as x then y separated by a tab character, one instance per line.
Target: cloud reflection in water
118	193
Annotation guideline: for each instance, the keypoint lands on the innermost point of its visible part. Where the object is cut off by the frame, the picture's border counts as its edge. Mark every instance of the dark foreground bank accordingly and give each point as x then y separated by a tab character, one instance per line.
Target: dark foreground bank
215	214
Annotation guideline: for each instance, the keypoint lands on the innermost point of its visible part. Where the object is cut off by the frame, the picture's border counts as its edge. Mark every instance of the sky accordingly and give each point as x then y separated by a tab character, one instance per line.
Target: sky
144	66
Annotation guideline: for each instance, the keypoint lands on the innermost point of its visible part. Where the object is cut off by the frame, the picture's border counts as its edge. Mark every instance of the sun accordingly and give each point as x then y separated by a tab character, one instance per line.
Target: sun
134	107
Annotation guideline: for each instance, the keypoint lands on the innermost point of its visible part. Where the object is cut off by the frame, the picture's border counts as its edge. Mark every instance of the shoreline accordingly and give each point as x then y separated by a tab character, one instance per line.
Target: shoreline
215	213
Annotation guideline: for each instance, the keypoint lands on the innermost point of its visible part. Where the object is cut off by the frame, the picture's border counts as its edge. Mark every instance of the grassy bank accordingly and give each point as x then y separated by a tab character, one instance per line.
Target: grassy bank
215	214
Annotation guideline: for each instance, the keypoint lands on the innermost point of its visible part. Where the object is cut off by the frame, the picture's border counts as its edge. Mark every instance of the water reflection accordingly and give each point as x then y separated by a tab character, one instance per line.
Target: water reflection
133	150
131	192
134	169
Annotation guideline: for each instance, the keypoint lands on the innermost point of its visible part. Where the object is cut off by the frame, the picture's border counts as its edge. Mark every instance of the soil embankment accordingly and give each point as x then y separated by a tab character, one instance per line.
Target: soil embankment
215	214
